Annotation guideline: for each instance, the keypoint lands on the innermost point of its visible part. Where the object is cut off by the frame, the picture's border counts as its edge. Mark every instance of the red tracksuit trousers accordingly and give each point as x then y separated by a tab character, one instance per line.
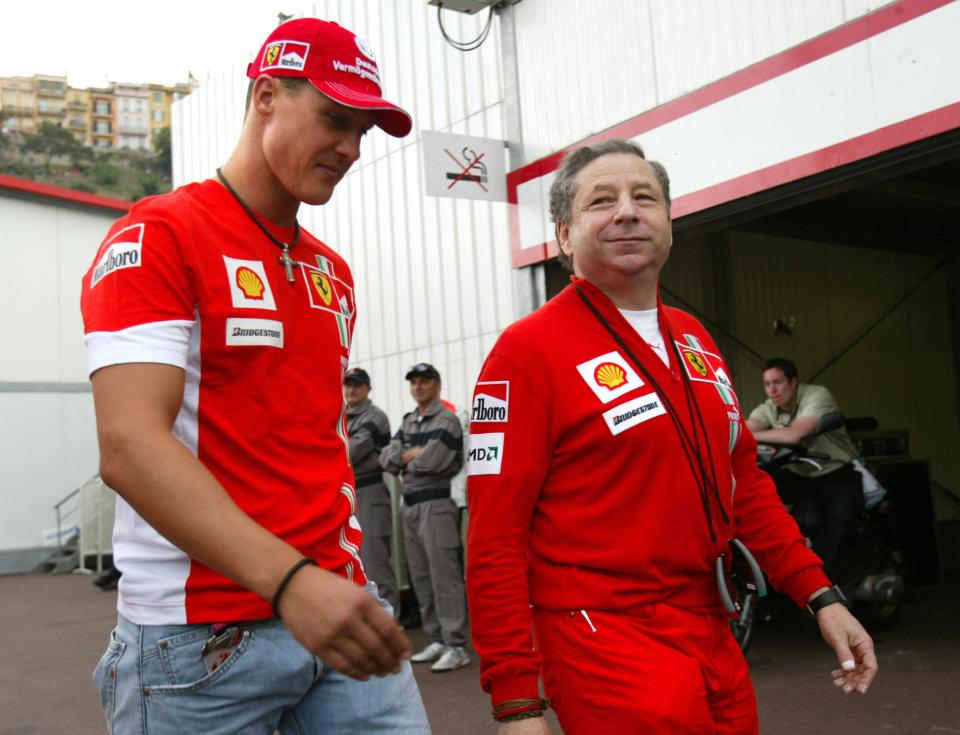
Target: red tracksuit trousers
652	670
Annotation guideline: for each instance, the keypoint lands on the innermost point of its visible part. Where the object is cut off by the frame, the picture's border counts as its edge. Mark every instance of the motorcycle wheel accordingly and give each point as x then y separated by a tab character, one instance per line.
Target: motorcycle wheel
743	627
879	614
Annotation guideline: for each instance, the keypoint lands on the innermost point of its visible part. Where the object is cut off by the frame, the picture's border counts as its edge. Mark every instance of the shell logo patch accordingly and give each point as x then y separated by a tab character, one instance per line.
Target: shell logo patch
696	362
609	376
322	286
250	283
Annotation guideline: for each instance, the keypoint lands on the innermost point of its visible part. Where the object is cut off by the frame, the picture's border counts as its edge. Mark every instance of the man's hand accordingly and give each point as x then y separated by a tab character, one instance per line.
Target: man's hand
531	726
411	454
853	646
342	624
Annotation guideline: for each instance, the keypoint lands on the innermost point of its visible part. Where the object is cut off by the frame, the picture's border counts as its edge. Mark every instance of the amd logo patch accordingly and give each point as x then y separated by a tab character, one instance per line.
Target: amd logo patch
484	453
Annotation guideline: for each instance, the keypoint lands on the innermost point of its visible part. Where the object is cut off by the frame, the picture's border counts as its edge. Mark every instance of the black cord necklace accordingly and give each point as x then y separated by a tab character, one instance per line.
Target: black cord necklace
285	259
690	444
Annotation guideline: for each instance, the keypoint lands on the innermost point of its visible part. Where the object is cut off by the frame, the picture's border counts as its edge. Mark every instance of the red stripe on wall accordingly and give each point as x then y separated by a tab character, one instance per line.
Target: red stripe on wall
855	149
762	72
35	188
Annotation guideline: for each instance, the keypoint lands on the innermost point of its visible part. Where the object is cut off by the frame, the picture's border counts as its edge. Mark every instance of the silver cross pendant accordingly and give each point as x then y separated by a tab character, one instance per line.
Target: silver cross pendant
287	262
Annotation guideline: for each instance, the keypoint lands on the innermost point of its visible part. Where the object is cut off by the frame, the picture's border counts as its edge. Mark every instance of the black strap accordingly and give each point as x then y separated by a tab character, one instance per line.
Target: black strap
367	480
827	597
286	580
256	220
691	448
422	496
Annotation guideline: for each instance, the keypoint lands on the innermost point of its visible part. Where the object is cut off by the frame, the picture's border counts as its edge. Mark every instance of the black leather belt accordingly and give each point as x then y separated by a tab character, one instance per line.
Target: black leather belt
422	496
370	480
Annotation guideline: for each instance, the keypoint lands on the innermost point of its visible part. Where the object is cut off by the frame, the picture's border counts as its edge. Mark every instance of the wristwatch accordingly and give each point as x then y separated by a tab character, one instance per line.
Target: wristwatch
827	597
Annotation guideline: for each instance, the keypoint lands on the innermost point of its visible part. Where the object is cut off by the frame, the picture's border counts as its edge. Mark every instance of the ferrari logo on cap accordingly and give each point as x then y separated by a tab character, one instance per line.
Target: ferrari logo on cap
696	362
322	285
289	55
270	58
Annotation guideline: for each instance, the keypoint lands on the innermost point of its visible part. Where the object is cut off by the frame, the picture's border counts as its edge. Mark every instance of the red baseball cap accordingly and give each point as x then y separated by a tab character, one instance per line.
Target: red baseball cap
336	61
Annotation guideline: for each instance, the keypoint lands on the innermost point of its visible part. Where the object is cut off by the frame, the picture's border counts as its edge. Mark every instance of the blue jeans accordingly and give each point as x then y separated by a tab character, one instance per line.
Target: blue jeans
153	681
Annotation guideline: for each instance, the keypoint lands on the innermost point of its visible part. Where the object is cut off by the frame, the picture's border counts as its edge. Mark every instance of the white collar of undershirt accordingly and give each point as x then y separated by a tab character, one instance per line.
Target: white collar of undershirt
646	322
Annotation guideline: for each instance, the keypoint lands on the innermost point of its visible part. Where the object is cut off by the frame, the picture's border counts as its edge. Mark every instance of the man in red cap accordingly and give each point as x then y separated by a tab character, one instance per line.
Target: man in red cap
217	335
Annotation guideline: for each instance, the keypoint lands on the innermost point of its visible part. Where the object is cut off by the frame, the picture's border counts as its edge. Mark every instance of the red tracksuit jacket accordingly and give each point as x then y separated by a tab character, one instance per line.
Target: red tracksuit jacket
580	493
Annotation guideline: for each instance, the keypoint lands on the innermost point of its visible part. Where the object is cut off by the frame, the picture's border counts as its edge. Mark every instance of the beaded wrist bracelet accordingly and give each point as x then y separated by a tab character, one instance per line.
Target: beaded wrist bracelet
519	709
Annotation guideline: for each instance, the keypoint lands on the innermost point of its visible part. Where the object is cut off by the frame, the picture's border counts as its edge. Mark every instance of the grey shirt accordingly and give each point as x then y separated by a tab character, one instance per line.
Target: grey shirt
437	430
369	432
815	401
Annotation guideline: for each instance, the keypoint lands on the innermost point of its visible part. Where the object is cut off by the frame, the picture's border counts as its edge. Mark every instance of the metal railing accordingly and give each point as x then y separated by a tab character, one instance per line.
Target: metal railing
90	502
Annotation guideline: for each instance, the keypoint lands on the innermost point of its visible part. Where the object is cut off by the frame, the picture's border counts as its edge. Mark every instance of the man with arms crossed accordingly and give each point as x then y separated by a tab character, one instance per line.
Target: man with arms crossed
609	475
217	335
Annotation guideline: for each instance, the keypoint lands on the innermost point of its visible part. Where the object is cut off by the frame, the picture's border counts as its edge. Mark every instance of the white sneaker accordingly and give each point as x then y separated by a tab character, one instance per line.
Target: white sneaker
454	657
429	653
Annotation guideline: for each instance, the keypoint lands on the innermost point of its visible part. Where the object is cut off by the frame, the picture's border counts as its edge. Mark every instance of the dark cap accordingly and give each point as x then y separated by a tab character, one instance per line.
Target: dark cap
356	375
424	370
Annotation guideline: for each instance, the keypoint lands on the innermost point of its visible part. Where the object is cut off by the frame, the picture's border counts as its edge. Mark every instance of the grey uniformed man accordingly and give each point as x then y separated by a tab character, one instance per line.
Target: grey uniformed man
427	452
369	432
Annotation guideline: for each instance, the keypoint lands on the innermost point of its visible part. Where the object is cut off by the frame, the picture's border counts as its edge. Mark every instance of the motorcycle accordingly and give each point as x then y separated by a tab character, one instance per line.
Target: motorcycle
869	569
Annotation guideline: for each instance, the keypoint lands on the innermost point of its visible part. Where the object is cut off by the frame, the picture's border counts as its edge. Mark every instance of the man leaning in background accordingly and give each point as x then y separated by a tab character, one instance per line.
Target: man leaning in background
790	415
217	334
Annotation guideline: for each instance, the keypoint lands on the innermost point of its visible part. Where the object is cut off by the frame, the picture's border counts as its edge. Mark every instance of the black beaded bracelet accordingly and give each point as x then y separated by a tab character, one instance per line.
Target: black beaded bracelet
526	715
286	580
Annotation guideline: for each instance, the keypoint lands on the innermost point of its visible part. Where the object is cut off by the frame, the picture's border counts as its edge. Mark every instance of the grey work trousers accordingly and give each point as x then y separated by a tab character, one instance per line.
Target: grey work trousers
431	541
376	521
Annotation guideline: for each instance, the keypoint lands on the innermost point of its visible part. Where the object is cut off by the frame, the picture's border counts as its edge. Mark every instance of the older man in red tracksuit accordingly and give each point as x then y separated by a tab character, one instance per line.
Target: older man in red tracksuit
609	470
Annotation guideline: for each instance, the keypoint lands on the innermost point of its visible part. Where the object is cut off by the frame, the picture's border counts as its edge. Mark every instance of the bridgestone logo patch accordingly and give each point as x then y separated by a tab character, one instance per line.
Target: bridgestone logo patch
629	414
124	251
244	332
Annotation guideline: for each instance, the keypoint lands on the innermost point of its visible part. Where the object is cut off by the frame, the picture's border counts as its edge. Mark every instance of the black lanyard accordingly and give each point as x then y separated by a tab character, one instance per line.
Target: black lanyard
706	483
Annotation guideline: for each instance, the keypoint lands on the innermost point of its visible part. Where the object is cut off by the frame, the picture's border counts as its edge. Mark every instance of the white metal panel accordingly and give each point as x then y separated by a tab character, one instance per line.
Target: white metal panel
46	248
587	66
49	448
835	99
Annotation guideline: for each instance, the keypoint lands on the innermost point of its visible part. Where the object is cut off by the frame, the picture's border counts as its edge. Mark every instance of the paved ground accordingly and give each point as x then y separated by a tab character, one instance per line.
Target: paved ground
54	629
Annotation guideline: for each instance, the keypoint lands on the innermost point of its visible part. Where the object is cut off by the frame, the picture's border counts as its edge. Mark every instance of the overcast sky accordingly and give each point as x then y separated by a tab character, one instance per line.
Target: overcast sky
96	41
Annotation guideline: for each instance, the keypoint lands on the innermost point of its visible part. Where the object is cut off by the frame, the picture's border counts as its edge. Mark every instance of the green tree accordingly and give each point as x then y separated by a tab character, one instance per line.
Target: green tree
50	141
150	184
105	173
163	147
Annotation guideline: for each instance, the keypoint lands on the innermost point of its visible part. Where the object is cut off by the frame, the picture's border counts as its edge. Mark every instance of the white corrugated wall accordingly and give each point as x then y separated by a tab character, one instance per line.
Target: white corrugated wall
48	443
586	66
